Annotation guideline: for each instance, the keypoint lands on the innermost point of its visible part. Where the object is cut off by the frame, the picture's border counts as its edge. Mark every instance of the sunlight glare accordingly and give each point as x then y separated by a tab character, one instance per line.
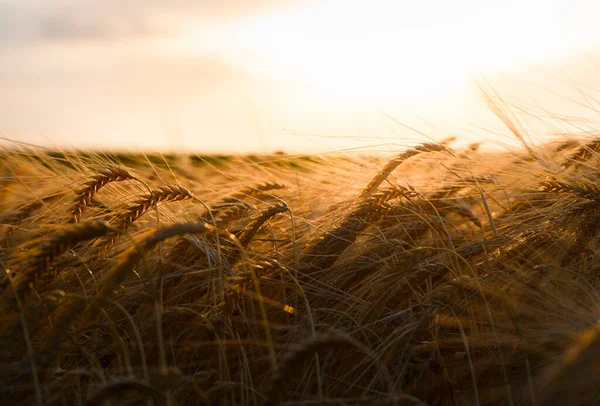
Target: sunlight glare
361	55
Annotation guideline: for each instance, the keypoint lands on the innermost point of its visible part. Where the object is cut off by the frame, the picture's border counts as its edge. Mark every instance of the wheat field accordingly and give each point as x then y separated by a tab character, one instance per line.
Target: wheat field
435	275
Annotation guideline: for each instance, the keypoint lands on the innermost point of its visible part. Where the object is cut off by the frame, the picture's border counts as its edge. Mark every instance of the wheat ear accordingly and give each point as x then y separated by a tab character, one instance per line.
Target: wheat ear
584	190
330	246
252	229
583	153
37	272
394	163
85	195
168	193
135	253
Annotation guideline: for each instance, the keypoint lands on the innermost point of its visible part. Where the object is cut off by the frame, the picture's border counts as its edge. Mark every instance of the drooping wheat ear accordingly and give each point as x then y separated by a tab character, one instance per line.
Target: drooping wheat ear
38	270
252	229
583	153
226	214
330	246
305	351
565	145
168	193
394	163
131	257
253	191
85	195
584	190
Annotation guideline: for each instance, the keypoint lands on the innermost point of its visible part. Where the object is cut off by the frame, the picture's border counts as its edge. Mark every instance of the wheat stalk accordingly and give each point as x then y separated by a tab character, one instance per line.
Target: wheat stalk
114	389
329	246
575	373
23	212
130	257
252	191
37	271
297	355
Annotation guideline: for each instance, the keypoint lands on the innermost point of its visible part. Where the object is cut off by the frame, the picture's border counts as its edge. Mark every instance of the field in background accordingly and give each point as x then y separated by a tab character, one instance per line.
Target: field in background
435	276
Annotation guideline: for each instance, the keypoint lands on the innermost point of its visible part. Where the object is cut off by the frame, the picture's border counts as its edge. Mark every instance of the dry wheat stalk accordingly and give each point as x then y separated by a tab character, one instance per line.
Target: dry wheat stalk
231	212
298	354
394	163
37	271
85	195
252	229
460	207
252	191
116	389
330	246
130	257
36	314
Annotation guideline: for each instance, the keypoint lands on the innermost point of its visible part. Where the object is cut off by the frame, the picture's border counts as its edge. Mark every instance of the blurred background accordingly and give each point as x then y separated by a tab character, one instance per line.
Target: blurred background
309	76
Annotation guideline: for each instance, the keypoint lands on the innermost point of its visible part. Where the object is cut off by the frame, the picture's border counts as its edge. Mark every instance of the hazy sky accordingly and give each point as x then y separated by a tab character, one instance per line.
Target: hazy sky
252	75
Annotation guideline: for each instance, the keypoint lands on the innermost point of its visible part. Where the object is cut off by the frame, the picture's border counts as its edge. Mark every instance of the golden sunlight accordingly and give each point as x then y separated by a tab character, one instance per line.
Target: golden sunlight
297	75
340	55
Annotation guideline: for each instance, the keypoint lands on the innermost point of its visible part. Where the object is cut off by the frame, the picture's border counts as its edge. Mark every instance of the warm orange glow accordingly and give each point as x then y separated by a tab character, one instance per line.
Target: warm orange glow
412	51
294	75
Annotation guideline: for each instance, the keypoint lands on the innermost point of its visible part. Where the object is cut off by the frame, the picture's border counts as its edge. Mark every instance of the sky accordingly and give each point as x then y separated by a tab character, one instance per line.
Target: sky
292	75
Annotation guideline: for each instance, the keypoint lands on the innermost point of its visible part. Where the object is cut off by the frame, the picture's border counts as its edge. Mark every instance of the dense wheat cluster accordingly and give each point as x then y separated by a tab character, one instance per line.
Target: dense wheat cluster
437	276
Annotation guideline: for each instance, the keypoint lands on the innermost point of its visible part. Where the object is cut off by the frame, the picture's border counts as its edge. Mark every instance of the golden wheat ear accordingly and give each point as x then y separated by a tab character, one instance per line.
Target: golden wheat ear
85	195
168	193
394	163
254	227
584	190
329	246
